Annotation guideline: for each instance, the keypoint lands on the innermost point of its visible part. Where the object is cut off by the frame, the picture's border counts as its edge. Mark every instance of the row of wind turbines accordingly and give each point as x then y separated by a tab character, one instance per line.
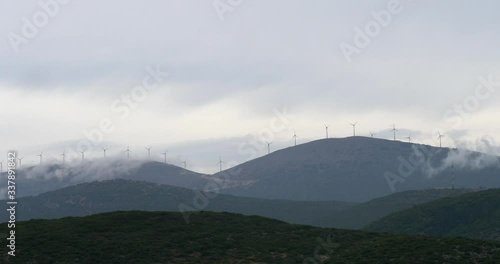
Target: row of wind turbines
394	130
127	151
148	149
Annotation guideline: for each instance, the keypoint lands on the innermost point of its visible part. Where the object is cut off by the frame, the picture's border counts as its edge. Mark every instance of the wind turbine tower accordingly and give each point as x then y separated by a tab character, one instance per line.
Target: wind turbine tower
326	127
394	130
41	157
354	129
165	155
269	147
20	162
440	137
220	164
104	152
64	156
149	152
128	152
295	137
185	163
409	138
372	134
83	153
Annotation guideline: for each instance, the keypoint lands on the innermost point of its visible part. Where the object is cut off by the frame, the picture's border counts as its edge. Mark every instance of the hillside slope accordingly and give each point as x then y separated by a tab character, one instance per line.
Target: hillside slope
358	216
114	195
40	179
357	169
473	215
154	237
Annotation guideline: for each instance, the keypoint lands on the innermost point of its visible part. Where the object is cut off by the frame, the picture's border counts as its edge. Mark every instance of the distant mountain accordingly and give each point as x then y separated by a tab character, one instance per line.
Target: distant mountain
159	237
115	195
473	215
358	216
43	178
359	169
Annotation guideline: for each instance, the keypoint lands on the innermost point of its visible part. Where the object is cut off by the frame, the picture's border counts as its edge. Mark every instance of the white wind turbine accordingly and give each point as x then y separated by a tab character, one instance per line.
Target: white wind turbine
104	151
165	155
63	156
354	129
269	147
409	138
128	152
394	130
220	164
439	138
295	137
41	157
83	153
149	152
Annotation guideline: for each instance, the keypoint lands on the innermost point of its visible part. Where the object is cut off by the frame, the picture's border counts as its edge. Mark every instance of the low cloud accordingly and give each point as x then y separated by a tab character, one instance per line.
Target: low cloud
481	154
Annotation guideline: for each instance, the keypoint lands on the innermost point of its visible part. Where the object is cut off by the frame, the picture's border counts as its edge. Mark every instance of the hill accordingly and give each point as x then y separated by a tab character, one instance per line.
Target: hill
359	169
358	216
159	237
473	215
115	195
43	178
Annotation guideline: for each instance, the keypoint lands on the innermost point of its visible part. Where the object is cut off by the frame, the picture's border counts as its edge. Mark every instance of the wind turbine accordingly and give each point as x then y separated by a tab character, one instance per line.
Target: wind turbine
326	127
372	134
1	166
220	163
394	130
409	138
440	137
185	163
41	157
64	156
295	137
354	129
20	161
128	152
104	151
149	152
269	147
165	154
83	153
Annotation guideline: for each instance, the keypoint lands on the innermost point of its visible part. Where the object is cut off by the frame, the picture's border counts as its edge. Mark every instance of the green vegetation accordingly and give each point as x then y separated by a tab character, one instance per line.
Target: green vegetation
125	195
358	216
162	237
473	215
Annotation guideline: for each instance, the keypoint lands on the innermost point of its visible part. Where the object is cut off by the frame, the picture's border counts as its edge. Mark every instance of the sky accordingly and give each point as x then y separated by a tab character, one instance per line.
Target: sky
211	78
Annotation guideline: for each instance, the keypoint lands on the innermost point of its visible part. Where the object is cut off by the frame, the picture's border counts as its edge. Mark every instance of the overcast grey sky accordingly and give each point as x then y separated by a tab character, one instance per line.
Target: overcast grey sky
233	63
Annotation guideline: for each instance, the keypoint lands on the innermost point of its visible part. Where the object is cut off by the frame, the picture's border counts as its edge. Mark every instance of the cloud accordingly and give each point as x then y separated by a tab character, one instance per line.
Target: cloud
227	76
481	154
